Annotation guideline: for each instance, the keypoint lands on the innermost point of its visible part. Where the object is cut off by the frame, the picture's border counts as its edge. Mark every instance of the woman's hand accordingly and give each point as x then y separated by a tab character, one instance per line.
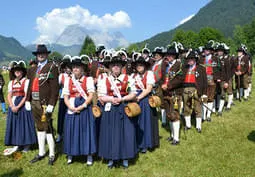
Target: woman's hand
14	109
116	101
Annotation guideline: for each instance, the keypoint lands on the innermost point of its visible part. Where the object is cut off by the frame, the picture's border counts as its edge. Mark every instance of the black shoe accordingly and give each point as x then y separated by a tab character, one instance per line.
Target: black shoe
36	158
228	109
169	138
51	160
144	150
187	128
111	166
219	114
199	130
209	119
163	125
245	99
174	142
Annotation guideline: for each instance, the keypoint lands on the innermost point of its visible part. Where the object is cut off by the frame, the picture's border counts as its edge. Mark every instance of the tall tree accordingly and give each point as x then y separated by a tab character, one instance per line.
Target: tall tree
88	47
132	47
55	56
208	33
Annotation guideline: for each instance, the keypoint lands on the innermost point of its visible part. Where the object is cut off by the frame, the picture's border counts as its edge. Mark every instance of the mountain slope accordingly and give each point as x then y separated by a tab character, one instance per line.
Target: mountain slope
10	49
222	15
75	35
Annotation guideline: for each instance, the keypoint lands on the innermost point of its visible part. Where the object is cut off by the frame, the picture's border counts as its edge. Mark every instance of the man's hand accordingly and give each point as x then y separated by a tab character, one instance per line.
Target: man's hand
204	98
164	86
49	108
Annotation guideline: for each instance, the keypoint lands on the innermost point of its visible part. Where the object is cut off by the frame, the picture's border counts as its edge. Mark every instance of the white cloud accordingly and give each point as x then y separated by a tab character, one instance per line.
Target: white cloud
185	19
53	23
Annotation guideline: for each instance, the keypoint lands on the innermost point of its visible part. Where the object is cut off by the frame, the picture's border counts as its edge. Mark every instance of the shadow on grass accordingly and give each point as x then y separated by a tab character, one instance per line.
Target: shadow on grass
13	173
251	136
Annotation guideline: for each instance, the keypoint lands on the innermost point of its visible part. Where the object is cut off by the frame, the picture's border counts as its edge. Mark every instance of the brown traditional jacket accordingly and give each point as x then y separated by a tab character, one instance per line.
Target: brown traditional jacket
201	79
222	70
231	67
48	88
175	79
214	65
244	64
159	71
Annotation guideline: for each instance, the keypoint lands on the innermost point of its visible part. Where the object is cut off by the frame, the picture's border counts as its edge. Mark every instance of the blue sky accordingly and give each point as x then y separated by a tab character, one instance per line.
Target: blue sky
138	20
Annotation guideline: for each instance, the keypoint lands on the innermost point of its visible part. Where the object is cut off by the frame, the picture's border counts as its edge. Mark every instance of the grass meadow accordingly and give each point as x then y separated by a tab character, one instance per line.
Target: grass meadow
225	148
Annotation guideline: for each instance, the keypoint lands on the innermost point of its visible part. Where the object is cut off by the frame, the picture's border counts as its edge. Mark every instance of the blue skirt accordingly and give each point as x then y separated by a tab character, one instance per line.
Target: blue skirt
20	128
62	108
80	131
147	131
117	139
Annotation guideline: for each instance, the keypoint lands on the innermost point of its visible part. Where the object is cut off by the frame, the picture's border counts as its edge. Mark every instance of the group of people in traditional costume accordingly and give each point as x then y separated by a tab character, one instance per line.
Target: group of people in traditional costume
109	105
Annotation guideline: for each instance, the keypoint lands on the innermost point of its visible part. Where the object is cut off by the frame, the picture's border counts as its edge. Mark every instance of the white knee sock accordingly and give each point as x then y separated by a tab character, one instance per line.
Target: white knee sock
249	88
237	94
222	102
41	136
230	100
204	109
199	123
246	93
188	121
210	106
176	128
51	144
163	115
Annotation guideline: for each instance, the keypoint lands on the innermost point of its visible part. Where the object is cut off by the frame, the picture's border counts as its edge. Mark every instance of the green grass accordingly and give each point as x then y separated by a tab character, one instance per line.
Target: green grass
225	148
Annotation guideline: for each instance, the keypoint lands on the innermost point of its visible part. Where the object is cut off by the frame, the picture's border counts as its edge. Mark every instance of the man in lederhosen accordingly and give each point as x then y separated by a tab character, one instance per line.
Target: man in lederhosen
210	63
195	87
43	94
230	63
242	72
172	91
221	76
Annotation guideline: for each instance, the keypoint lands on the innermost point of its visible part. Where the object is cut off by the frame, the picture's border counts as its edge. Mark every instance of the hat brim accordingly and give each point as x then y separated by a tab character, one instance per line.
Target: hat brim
36	53
160	53
141	62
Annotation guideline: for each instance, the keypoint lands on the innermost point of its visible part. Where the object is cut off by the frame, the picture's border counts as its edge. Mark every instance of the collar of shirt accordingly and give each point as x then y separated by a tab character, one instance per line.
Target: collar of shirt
171	63
42	64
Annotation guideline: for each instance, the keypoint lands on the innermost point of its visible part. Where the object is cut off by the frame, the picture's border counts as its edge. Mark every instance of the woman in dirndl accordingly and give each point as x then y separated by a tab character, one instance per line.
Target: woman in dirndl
79	128
65	72
147	129
117	138
20	129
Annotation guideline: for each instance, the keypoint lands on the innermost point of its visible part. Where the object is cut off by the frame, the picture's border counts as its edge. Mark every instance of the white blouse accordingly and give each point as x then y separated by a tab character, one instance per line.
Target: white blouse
17	85
89	85
102	88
